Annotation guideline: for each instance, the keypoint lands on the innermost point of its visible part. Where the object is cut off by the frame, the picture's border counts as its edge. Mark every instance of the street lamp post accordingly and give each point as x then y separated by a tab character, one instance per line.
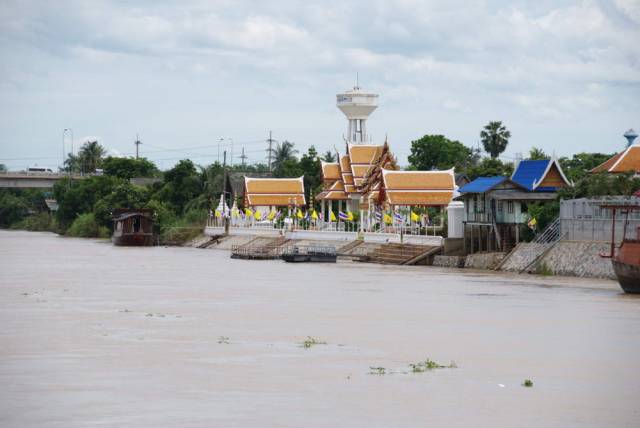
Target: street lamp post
64	132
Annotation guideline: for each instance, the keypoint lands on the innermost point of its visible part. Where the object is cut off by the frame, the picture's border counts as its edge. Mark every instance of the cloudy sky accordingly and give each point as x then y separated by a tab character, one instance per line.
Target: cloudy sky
562	75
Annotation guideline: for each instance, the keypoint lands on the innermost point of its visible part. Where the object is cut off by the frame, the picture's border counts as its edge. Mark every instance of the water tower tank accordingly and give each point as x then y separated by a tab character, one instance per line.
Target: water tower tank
357	105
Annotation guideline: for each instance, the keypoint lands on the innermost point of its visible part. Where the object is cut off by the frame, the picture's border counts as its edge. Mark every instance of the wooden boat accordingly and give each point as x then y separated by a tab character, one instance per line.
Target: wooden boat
300	254
133	227
625	258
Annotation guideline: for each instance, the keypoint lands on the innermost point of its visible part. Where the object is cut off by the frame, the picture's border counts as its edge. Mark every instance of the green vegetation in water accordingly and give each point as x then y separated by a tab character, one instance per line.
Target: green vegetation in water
377	370
223	339
544	269
423	366
310	341
528	383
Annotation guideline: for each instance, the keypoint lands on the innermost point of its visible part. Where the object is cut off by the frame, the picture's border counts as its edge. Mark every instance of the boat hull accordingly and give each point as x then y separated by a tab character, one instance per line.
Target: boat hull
133	240
628	276
306	258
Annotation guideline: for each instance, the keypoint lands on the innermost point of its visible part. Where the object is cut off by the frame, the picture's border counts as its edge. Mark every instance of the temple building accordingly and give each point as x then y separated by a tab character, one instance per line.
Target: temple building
268	194
496	208
627	160
366	178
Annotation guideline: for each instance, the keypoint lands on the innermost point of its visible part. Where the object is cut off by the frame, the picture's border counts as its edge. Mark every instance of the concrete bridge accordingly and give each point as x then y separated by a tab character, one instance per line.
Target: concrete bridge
33	180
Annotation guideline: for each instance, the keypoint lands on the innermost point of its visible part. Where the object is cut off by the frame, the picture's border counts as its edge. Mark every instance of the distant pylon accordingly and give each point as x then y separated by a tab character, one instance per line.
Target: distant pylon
137	143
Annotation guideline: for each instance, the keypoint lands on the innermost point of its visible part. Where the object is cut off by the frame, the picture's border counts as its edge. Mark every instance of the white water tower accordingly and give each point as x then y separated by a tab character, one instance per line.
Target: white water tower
630	135
357	105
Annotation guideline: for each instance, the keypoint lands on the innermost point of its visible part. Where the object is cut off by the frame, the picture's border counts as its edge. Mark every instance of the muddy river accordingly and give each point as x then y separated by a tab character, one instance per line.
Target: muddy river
94	335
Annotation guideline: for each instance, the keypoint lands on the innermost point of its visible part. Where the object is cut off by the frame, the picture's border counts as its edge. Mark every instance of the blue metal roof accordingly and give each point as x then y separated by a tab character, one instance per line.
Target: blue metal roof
529	171
482	184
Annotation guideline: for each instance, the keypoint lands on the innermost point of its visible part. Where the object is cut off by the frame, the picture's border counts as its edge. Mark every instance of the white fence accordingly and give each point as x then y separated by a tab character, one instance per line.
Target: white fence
584	219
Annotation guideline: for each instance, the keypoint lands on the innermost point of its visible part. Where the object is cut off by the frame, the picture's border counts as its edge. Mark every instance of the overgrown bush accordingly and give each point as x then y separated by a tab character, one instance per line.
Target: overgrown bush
184	228
86	226
39	222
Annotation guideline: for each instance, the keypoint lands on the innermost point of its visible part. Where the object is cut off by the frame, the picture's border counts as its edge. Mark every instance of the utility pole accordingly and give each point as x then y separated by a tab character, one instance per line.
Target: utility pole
224	188
137	143
270	141
243	157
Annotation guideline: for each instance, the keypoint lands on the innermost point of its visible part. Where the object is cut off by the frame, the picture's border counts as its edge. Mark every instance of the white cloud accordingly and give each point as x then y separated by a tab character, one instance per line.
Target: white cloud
195	70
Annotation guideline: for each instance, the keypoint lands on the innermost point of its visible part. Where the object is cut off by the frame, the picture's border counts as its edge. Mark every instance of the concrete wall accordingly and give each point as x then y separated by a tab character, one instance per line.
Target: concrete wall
523	255
449	261
317	235
394	238
435	241
483	260
382	238
242	231
579	258
570	258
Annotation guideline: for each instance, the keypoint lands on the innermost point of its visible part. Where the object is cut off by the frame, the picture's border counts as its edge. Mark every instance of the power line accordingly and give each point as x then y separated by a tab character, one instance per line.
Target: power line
270	140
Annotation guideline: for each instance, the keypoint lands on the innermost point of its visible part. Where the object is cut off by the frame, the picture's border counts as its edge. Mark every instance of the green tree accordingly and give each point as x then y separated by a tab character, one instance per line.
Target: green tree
489	167
580	164
438	152
288	169
495	138
3	167
122	195
12	208
282	153
602	184
181	184
77	197
538	154
128	168
310	166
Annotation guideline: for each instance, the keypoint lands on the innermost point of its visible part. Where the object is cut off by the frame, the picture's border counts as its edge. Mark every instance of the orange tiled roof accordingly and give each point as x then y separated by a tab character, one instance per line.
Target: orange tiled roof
625	161
274	191
274	200
364	153
418	187
330	171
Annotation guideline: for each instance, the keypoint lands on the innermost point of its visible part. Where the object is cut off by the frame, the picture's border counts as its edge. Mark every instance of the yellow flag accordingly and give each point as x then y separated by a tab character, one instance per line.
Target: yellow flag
387	219
248	212
299	214
349	216
332	216
314	215
272	215
414	216
257	215
218	214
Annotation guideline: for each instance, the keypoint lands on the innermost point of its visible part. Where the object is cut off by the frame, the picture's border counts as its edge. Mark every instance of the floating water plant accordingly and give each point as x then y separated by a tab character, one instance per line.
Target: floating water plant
428	364
310	341
377	370
528	383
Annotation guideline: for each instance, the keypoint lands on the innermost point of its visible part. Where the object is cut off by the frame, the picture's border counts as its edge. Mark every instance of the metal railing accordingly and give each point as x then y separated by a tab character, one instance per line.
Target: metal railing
326	226
550	234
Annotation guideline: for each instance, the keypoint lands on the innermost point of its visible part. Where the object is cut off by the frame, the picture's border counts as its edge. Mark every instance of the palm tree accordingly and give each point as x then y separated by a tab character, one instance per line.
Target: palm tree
495	138
537	154
329	157
281	153
90	156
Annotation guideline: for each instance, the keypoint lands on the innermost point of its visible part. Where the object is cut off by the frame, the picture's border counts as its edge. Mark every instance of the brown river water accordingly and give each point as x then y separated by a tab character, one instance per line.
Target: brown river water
96	335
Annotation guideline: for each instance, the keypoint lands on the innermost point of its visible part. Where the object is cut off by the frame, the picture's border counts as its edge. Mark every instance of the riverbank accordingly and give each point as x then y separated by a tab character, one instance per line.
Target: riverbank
96	334
565	258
